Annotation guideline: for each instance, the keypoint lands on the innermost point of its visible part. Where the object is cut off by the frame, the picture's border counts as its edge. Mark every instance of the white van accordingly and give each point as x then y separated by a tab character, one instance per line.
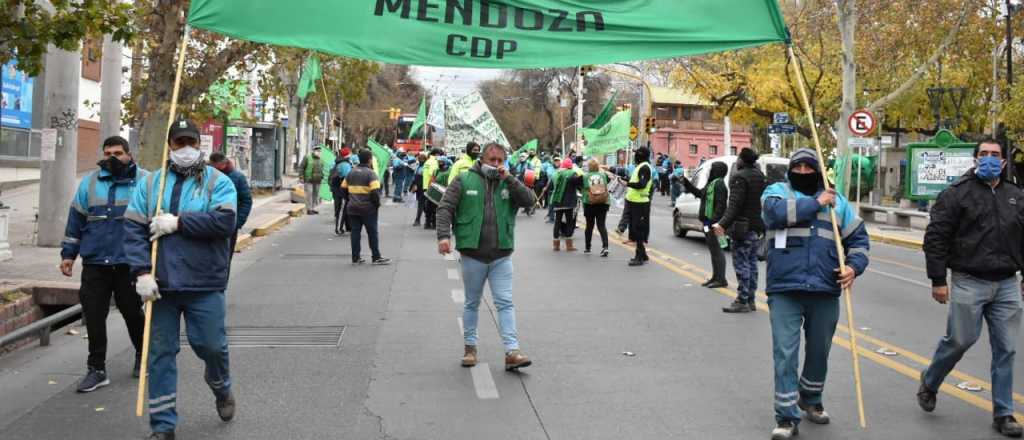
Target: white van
684	214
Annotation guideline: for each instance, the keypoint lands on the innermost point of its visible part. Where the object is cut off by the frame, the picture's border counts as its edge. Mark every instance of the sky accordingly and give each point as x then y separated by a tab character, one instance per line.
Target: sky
455	81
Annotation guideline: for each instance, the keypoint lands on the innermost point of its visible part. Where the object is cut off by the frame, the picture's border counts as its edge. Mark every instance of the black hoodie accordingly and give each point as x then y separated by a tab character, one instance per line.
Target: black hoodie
718	172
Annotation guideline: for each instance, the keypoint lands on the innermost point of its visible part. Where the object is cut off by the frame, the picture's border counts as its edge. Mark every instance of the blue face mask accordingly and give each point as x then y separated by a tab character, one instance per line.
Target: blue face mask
988	168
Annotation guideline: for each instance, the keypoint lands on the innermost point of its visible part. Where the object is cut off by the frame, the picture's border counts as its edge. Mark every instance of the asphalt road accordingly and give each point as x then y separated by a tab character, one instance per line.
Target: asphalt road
695	372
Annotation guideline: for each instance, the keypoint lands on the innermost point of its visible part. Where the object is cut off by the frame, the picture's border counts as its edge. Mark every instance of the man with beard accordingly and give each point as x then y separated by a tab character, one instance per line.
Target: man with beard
805	283
95	231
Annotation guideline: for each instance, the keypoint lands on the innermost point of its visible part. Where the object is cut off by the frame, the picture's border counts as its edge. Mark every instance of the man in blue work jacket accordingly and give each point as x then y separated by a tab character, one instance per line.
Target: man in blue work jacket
244	205
194	229
95	231
805	283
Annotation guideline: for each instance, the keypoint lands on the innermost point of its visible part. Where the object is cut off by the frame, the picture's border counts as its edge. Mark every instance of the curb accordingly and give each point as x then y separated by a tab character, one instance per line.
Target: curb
244	241
272	225
297	211
897	241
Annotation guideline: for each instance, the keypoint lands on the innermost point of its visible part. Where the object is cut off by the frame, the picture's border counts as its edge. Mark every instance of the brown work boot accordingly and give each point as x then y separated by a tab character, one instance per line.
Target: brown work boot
569	246
469	359
556	245
515	360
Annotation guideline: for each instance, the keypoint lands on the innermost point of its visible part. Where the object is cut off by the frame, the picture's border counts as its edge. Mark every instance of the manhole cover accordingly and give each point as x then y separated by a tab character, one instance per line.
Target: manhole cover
314	256
270	337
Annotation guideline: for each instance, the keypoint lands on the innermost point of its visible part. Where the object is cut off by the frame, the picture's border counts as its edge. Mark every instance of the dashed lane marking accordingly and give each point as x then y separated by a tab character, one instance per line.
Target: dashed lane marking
458	296
483	382
449	257
453	274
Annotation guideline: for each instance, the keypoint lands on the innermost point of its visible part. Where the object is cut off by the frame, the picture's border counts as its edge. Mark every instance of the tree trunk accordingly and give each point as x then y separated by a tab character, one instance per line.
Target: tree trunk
293	132
847	10
153	138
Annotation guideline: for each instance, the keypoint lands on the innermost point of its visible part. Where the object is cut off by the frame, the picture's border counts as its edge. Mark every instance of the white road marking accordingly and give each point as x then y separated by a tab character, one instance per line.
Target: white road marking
458	296
453	274
897	277
449	257
483	382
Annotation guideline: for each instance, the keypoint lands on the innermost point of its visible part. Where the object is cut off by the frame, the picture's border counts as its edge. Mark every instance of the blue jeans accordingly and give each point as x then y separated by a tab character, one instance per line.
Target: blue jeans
204	325
818	314
357	222
744	260
971	300
497	274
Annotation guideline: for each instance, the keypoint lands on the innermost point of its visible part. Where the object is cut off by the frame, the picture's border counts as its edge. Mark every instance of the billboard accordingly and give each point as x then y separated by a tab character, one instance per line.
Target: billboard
16	99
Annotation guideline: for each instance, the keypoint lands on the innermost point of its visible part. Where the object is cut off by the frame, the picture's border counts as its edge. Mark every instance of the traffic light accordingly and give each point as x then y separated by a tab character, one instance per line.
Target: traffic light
394	113
649	124
585	70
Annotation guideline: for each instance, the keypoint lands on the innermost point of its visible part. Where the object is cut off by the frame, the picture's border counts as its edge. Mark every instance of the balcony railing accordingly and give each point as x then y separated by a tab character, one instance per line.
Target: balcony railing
700	125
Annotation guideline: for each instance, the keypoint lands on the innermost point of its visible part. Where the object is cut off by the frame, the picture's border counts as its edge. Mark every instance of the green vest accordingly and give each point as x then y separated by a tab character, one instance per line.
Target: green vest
313	171
469	217
639	195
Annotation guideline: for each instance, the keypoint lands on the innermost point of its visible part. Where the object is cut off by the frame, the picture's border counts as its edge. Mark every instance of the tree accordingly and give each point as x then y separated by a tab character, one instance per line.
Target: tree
29	27
392	86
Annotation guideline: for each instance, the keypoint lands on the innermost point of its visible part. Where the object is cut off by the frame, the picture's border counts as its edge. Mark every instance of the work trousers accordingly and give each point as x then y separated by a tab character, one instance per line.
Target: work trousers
369	221
565	223
421	204
204	327
817	313
744	261
717	256
596	215
430	211
972	300
98	284
498	275
341	215
312	191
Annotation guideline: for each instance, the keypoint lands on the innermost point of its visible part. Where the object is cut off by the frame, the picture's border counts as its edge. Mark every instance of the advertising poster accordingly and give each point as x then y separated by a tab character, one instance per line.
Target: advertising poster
16	99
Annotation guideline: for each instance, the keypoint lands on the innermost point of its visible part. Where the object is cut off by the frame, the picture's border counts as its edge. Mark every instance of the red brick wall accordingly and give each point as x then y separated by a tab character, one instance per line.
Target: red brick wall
17	315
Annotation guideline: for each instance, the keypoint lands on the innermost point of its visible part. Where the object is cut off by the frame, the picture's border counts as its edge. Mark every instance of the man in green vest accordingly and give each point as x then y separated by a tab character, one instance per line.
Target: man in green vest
638	204
311	173
482	205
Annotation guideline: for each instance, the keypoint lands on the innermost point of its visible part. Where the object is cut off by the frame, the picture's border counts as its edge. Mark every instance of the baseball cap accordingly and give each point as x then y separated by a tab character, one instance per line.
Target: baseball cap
183	128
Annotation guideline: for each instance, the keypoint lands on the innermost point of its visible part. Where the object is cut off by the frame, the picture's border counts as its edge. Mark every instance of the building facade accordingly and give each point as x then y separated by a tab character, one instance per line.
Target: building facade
687	130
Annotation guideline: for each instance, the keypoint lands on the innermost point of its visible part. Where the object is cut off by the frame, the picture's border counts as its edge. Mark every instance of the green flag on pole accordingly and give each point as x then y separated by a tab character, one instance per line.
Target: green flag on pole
498	35
310	75
613	137
421	118
381	157
606	112
529	146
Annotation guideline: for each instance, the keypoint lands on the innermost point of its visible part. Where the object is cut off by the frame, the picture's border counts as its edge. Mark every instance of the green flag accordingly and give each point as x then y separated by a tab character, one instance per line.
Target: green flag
606	112
498	35
310	75
381	157
613	137
421	118
327	160
529	146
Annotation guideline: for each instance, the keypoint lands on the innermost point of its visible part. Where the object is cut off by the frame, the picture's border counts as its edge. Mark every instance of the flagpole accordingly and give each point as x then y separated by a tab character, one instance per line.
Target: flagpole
148	307
838	238
327	105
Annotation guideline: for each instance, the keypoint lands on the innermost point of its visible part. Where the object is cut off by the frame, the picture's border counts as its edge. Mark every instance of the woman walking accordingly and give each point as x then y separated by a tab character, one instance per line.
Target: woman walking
595	204
713	200
565	184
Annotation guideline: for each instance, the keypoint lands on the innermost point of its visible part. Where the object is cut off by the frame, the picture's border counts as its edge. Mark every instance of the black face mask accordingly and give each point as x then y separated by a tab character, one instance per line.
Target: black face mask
114	166
639	159
805	183
473	155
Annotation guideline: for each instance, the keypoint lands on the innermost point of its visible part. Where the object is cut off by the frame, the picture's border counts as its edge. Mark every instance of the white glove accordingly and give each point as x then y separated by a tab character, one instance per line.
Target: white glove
163	224
145	286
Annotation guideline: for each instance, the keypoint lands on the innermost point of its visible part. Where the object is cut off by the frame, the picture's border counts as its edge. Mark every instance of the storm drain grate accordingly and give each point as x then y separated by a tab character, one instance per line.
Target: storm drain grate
284	337
314	256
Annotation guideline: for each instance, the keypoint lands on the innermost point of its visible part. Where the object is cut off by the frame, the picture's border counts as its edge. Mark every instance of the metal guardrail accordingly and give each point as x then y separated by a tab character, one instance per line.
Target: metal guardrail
41	328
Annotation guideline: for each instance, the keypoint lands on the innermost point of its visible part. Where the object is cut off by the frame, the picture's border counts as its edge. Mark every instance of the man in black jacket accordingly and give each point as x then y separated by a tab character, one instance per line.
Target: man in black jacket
976	231
713	201
743	222
362	189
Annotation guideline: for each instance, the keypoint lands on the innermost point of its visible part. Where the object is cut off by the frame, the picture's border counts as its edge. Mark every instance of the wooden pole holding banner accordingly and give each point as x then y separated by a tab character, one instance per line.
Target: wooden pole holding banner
838	237
143	370
327	105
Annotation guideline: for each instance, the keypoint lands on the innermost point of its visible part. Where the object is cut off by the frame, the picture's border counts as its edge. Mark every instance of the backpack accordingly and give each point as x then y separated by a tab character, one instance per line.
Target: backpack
597	192
334	181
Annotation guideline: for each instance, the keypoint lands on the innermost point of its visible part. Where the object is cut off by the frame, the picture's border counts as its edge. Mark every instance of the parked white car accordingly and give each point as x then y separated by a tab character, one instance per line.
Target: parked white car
684	214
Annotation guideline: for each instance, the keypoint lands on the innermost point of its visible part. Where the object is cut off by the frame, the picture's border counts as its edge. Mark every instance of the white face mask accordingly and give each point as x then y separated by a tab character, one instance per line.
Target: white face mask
186	156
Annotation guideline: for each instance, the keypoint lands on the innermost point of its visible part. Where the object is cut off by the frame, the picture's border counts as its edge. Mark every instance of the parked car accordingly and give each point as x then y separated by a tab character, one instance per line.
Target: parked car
684	214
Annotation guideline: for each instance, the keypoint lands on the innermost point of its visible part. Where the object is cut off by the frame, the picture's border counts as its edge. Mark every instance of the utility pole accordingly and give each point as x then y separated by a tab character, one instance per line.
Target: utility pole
110	84
62	72
1009	45
579	111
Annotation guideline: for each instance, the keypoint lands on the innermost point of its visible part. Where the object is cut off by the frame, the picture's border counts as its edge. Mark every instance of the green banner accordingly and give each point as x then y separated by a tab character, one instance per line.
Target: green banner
613	137
381	157
492	34
310	75
529	146
606	113
421	118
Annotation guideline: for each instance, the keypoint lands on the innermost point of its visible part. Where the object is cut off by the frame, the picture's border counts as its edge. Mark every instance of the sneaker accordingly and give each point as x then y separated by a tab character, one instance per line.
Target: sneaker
715	284
633	262
226	407
469	358
138	366
161	436
1008	426
415	223
925	396
752	305
381	261
785	431
586	250
815	413
737	307
359	261
515	360
93	379
604	253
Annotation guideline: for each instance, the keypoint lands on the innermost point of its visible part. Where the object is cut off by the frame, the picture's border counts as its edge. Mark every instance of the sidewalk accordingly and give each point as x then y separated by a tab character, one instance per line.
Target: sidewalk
34	263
